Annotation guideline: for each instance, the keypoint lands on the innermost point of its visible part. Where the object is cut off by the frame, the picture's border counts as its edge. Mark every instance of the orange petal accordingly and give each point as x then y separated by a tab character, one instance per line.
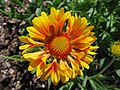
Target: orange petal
43	14
87	39
84	64
28	40
88	59
64	78
77	40
46	23
34	33
78	55
81	46
53	13
60	13
88	29
73	63
84	23
91	49
30	68
62	18
38	23
39	71
24	47
55	75
92	53
66	70
71	21
24	39
66	15
54	23
78	27
35	43
36	62
34	55
47	73
75	66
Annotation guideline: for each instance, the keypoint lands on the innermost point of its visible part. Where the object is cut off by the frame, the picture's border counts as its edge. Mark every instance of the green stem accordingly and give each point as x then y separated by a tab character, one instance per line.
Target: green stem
10	58
104	69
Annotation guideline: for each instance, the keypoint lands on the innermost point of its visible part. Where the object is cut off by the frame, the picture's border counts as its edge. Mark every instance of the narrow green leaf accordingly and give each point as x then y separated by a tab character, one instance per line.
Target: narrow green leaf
102	62
100	84
33	71
94	87
81	87
19	3
5	13
49	83
117	72
84	81
38	11
68	86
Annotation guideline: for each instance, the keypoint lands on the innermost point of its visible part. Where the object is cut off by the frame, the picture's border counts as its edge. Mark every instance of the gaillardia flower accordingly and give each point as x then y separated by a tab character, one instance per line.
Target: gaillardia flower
65	42
115	48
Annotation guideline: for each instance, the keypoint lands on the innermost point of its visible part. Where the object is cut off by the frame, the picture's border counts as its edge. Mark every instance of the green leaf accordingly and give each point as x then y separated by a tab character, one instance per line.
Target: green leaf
2	2
19	3
30	18
13	11
56	2
22	16
100	85
112	87
24	32
68	86
38	11
81	87
49	83
102	62
94	87
101	77
97	84
33	71
84	81
35	49
5	13
118	72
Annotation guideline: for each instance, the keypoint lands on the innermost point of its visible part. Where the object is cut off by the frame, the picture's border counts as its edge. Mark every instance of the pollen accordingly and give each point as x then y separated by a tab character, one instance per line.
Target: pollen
60	46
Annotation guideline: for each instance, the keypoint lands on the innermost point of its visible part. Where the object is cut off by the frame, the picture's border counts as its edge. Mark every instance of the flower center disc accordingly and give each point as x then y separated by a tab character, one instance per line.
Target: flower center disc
60	46
116	48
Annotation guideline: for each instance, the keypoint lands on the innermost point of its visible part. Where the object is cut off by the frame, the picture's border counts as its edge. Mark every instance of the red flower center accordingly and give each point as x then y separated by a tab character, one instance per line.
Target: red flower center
59	46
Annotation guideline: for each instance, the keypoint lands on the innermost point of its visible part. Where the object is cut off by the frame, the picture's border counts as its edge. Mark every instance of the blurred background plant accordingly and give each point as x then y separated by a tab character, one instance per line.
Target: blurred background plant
104	72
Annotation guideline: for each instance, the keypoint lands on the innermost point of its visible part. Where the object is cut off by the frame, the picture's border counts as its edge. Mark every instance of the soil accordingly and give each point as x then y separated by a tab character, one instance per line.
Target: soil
14	74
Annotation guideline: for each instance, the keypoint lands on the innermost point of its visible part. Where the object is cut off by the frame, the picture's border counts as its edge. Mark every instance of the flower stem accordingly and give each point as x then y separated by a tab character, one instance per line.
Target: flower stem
104	69
10	58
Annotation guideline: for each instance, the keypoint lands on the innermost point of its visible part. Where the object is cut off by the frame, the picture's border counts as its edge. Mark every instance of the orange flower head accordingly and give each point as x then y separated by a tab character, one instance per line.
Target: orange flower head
65	42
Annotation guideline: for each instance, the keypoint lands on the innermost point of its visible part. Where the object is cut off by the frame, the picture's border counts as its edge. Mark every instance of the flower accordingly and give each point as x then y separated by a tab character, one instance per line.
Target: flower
65	42
115	48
